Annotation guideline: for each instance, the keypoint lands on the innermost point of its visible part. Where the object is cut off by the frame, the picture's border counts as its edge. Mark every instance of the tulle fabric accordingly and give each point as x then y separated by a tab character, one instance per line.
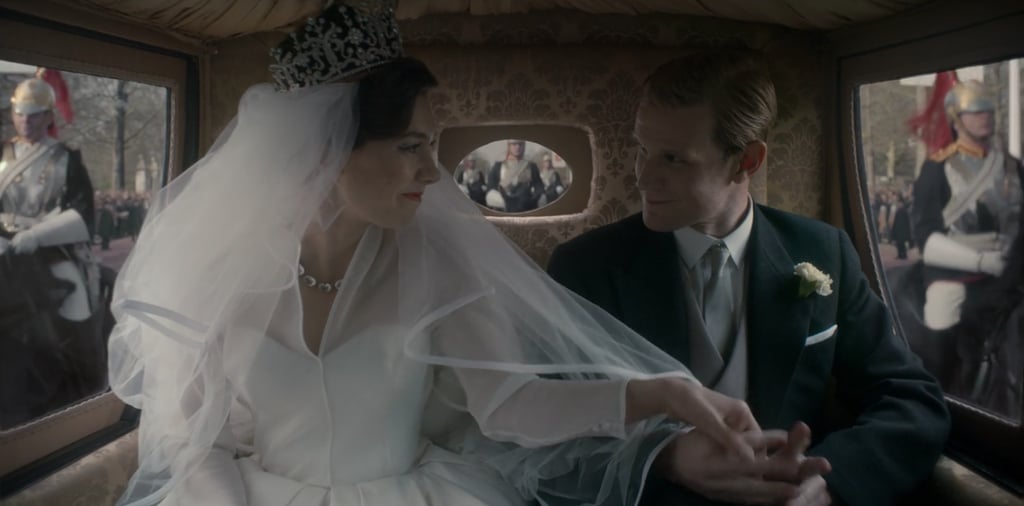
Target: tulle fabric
514	318
220	249
219	241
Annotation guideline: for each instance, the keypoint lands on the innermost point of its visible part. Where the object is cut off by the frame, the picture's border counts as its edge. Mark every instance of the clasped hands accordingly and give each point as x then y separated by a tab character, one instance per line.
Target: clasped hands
780	473
727	457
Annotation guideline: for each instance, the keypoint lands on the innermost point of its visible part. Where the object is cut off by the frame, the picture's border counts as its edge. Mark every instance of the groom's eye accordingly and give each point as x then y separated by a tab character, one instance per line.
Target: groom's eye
409	148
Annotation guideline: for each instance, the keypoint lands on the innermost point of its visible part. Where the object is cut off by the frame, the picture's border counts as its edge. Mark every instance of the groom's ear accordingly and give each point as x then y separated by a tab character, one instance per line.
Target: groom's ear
752	158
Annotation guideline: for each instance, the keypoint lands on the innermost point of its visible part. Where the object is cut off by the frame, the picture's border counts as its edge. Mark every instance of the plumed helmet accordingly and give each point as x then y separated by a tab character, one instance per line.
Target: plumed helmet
32	96
969	96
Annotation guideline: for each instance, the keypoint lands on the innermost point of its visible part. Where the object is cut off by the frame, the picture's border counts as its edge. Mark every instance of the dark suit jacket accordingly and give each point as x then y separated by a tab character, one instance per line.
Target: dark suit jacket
899	418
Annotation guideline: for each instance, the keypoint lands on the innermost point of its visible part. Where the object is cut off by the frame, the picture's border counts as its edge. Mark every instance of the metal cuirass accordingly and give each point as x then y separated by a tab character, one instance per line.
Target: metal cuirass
32	182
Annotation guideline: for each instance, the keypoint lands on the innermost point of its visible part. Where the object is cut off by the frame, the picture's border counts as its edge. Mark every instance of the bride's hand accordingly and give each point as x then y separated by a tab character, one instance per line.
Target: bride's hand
720	417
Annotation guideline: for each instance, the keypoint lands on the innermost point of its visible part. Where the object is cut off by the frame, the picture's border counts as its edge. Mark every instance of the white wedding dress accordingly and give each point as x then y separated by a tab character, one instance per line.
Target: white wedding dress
361	423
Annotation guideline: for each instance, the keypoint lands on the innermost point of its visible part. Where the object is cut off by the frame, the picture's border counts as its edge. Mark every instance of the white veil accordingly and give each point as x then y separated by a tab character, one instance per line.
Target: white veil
452	260
220	241
220	247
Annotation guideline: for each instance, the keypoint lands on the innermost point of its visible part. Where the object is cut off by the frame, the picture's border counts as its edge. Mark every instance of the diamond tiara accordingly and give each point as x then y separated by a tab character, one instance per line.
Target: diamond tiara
343	40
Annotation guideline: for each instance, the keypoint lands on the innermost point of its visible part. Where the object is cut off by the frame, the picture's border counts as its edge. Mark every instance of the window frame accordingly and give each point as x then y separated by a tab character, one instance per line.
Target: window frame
41	447
922	41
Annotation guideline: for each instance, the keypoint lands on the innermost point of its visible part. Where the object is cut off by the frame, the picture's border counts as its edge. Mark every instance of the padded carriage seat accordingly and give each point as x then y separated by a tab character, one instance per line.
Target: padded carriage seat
954	485
99	479
95	480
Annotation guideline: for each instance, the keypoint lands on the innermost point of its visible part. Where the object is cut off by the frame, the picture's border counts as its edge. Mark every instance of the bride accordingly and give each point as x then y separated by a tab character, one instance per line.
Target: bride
310	316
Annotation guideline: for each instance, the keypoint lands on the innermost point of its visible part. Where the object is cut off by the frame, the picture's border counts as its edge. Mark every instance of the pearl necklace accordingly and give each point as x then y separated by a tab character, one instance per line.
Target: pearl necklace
312	282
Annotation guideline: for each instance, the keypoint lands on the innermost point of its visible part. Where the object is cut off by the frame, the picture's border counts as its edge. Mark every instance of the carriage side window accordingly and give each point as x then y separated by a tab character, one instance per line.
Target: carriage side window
513	176
941	160
81	156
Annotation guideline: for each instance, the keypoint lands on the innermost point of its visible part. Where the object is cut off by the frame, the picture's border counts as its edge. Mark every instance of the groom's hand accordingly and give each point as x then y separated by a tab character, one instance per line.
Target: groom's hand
781	474
789	463
697	462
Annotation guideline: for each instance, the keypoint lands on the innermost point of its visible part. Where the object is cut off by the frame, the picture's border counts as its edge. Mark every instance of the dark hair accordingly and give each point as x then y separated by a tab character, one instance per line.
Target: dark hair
387	97
739	91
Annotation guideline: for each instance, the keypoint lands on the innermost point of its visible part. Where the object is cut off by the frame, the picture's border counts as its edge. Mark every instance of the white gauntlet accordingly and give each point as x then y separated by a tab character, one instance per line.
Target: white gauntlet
941	251
25	242
991	262
65	227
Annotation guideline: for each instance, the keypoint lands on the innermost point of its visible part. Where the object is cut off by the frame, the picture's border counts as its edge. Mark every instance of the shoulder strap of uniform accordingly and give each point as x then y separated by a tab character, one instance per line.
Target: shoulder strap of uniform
944	153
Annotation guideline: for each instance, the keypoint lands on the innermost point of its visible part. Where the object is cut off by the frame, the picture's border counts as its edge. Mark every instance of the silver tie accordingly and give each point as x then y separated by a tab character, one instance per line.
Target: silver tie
718	303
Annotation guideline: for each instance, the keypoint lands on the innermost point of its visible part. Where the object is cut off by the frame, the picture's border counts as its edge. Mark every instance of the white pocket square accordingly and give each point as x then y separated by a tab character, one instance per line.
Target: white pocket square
821	336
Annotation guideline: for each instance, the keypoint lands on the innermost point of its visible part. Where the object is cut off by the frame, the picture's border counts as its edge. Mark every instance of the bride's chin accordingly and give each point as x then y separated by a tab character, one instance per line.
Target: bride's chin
398	220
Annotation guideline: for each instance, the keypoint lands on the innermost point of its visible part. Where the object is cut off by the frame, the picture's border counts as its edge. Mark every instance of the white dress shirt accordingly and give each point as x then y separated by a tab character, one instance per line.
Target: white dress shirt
692	247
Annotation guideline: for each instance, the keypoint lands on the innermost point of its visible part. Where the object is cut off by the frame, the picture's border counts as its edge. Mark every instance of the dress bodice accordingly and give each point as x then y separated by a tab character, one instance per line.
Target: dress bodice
365	421
350	413
306	408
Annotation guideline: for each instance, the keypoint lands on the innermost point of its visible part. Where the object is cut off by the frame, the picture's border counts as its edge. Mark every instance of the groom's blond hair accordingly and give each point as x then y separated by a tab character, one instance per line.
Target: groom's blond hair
731	81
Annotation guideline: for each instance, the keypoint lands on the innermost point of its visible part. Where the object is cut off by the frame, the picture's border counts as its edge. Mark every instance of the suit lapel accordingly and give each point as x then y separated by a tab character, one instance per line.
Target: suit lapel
778	322
655	307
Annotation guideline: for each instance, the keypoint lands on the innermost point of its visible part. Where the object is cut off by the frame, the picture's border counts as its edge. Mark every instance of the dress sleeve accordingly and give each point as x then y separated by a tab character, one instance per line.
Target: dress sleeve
532	411
523	408
217	478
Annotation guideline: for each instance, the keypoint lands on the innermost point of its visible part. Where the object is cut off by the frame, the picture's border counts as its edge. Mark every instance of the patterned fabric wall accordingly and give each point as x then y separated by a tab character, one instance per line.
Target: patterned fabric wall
584	71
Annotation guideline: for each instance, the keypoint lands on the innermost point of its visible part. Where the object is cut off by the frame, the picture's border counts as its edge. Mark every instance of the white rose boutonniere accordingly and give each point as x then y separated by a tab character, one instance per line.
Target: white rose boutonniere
812	280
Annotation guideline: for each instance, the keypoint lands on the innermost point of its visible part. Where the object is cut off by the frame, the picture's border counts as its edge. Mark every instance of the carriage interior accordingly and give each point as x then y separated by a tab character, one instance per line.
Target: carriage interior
561	75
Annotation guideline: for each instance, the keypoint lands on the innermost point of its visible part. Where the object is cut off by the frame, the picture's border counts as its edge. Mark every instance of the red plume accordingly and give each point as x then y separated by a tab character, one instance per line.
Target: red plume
931	124
60	91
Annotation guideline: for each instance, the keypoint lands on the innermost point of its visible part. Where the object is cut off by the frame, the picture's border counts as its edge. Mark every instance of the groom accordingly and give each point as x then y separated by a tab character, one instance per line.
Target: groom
710	277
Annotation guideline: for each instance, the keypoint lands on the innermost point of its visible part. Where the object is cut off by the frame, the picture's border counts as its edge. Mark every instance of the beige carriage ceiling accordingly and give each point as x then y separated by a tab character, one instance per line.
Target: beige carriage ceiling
210	20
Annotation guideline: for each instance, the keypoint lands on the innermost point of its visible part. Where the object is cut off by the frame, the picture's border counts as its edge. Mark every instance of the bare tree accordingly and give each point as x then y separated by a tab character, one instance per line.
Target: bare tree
888	144
120	110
